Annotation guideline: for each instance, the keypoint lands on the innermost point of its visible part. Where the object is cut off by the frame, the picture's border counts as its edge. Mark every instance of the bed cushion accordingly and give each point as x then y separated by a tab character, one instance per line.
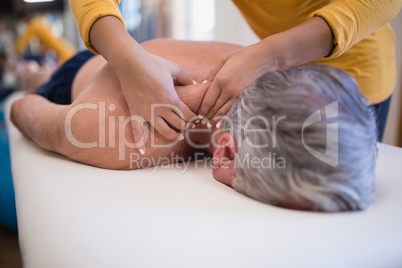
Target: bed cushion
73	215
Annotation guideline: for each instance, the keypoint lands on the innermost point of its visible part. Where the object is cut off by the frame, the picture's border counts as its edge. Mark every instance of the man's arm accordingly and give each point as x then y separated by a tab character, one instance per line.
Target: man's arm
39	119
45	123
74	131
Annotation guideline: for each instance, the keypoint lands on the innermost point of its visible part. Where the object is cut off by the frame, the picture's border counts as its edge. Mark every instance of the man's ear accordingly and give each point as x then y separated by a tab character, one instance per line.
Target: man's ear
224	158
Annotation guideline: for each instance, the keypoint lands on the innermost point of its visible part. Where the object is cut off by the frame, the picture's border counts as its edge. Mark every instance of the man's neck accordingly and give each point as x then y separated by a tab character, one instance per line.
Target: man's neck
203	138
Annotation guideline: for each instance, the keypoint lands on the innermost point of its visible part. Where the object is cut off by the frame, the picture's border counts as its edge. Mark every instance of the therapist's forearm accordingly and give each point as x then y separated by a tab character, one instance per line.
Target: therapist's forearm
109	37
304	43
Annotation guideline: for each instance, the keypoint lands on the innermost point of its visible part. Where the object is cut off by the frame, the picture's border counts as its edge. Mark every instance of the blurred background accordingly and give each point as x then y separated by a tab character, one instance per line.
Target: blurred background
38	35
146	19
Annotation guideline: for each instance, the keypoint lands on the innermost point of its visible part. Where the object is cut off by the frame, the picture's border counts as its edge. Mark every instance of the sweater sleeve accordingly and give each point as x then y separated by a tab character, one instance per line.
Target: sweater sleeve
353	20
86	12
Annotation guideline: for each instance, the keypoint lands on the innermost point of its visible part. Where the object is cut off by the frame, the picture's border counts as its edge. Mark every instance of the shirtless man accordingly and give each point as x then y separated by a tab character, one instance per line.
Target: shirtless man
96	83
95	129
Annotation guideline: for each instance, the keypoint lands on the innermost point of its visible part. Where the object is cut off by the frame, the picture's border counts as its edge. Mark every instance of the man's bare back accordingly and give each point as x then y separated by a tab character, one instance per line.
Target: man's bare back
94	130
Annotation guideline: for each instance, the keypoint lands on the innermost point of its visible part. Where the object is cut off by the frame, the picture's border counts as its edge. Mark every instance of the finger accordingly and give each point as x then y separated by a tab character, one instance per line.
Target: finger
180	77
222	100
173	119
210	98
215	71
137	128
163	129
186	114
216	118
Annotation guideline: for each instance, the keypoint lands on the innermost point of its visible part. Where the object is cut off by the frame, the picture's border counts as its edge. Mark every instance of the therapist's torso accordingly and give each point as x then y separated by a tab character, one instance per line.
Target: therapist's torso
371	61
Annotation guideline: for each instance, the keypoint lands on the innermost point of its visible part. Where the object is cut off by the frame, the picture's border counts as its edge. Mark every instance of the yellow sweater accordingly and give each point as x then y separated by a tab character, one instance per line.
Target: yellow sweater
37	28
364	41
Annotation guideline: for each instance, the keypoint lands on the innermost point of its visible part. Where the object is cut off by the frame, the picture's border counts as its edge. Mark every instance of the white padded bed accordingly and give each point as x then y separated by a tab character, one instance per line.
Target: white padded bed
73	215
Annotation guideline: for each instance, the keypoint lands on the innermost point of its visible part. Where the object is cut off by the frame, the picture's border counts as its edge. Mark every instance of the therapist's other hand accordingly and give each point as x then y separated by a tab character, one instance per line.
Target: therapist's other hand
311	40
230	78
148	80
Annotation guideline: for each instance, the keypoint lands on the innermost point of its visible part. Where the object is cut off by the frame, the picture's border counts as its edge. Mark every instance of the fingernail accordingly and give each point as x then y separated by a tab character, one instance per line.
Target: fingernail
200	116
203	121
142	151
194	83
181	137
204	82
209	125
218	125
193	126
197	121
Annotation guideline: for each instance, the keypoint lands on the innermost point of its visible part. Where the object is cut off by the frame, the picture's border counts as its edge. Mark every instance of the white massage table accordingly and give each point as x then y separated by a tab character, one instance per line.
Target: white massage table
73	215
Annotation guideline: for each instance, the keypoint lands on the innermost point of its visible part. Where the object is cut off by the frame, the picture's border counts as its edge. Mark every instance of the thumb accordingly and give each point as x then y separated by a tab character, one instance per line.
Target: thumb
181	78
215	71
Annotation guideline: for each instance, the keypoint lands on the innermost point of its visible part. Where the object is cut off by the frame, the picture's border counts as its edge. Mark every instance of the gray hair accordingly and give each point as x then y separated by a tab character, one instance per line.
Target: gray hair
305	181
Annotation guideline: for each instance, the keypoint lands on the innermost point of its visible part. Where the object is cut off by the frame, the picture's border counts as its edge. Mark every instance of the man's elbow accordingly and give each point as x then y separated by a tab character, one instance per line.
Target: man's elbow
36	120
15	114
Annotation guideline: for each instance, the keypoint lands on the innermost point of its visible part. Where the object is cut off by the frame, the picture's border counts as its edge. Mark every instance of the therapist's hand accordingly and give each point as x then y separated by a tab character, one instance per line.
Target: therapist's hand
231	77
311	40
145	80
148	80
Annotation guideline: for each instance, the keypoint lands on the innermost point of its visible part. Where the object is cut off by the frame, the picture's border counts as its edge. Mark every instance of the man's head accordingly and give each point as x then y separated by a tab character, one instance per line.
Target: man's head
302	138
